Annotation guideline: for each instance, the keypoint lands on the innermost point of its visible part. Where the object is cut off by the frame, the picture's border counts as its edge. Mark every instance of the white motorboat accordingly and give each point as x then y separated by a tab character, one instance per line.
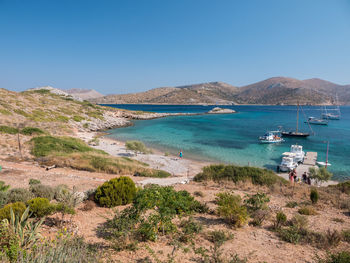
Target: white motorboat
287	164
299	153
271	137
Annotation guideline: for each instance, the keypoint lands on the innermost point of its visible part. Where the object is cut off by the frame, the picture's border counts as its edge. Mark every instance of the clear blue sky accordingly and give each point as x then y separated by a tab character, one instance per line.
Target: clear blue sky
127	46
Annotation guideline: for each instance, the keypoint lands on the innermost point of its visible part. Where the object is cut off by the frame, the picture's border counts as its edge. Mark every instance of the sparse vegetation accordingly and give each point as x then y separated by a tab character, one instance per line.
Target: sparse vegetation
8	129
237	173
43	191
281	220
231	209
19	195
45	145
292	204
136	146
340	257
307	210
153	173
31	131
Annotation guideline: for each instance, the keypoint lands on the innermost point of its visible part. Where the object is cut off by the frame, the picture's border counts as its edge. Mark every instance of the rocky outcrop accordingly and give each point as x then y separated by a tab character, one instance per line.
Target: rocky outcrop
218	110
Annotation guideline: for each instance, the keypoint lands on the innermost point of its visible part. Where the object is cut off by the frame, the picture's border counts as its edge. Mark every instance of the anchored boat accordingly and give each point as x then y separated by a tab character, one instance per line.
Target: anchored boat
271	137
295	133
316	121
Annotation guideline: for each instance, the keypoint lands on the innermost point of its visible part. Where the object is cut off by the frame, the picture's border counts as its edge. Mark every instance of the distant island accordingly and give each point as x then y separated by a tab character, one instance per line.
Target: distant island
272	91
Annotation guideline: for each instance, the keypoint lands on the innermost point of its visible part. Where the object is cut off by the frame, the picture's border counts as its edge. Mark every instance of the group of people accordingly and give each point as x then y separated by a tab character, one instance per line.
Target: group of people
294	178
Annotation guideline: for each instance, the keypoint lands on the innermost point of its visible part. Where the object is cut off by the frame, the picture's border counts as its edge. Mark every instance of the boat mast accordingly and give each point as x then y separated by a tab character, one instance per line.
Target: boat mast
327	154
297	118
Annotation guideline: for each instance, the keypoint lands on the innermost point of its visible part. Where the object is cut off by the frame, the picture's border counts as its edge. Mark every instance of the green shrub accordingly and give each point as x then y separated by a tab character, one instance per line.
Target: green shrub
19	195
150	216
3	186
340	257
3	198
117	191
64	209
234	173
281	219
190	226
45	145
300	222
31	131
5	112
9	244
43	191
290	234
292	204
230	208
343	187
314	196
219	237
8	129
307	210
256	202
153	173
18	208
40	207
136	146
346	235
34	181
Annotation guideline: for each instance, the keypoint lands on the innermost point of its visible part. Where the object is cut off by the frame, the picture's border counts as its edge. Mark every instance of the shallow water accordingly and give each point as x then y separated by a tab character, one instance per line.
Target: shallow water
233	138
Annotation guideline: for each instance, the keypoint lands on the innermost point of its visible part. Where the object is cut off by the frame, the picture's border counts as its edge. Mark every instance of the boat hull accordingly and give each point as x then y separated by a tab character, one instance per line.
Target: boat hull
293	134
317	123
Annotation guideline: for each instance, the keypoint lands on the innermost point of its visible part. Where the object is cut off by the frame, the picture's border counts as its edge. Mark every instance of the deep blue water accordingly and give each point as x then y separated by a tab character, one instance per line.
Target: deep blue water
233	138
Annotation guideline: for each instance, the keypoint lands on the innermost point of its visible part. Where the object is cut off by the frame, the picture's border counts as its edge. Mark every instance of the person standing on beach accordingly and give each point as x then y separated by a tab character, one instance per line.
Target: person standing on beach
180	154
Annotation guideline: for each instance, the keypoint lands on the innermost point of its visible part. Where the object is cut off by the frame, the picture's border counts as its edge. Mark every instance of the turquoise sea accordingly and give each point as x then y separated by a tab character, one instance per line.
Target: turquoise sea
233	138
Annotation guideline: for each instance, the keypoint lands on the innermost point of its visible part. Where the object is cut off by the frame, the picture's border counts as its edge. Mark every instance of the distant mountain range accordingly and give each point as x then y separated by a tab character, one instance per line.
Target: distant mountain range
277	90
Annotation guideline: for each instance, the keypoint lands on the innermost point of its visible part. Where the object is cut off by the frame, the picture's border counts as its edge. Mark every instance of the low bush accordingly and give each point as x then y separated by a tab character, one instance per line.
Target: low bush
290	234
259	216
344	187
40	207
340	257
3	198
314	195
3	186
18	208
8	129
291	204
300	222
256	202
219	237
234	173
136	146
31	131
231	209
78	118
153	173
333	238
34	181
190	226
19	195
117	191
307	210
281	220
346	235
43	191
